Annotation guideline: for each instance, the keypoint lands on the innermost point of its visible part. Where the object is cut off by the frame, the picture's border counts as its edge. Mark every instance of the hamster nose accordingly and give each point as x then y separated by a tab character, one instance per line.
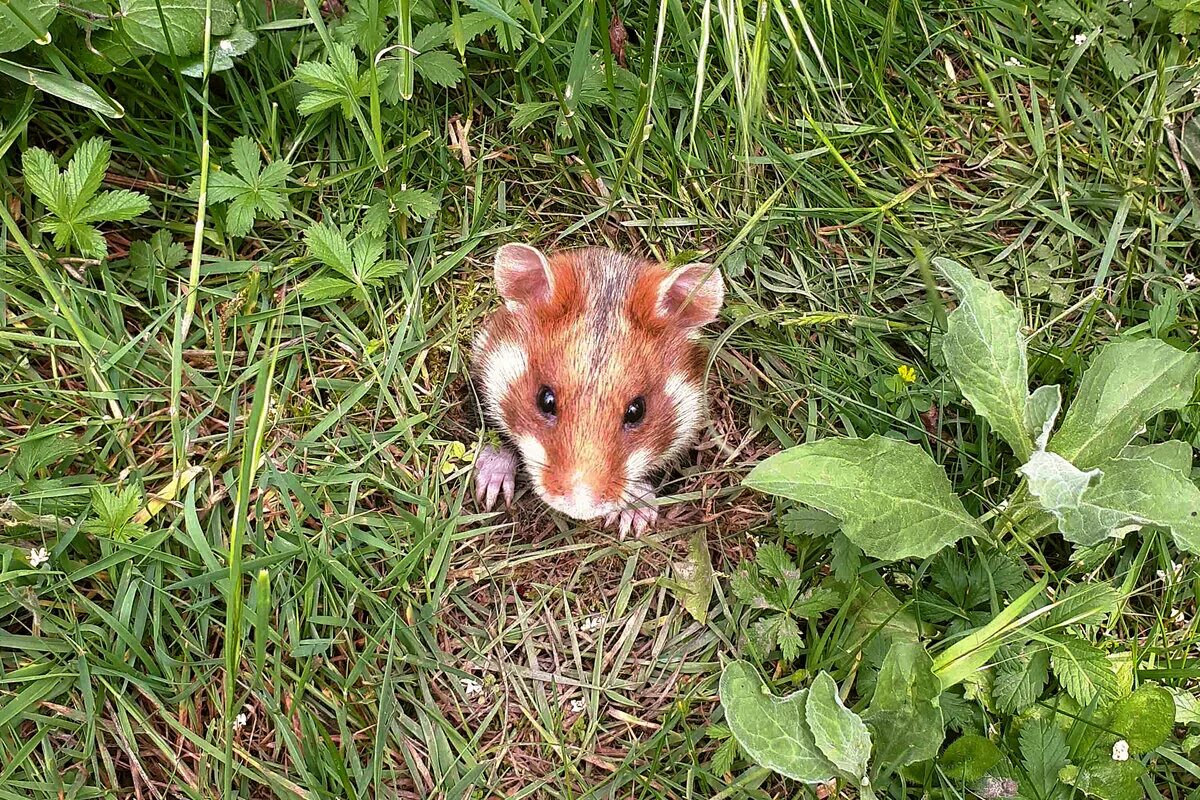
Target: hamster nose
578	499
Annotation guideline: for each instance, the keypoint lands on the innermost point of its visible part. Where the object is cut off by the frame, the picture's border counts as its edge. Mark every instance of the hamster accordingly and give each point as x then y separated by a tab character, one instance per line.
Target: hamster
593	373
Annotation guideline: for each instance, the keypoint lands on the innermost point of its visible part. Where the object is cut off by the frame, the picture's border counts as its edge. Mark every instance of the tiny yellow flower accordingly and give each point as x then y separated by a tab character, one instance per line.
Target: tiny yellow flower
456	454
906	373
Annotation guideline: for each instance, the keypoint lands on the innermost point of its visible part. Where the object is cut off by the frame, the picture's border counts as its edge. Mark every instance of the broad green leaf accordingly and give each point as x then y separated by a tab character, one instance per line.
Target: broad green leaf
14	33
1126	385
1142	486
772	730
184	23
1041	412
839	733
1044	752
694	578
1107	779
1144	719
985	354
239	42
893	500
1084	671
1121	63
969	757
904	718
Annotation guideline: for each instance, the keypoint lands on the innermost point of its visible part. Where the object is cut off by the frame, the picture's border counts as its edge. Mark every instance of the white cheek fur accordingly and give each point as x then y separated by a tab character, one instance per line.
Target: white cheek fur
688	402
638	464
506	364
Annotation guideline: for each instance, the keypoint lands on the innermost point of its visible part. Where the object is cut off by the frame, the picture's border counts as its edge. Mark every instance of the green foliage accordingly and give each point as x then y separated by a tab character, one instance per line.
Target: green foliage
904	716
865	482
358	265
969	758
178	30
15	32
772	583
251	191
113	513
73	198
809	736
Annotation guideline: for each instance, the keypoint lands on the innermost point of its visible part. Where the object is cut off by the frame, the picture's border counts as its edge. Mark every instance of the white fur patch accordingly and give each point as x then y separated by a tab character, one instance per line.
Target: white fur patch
534	454
638	464
688	401
505	366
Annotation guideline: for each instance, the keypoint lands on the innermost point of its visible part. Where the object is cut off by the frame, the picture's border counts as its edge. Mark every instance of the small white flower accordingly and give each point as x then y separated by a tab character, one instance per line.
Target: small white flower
990	104
1190	279
1121	750
577	706
1177	616
592	623
471	687
240	721
38	556
1012	62
1176	571
1080	38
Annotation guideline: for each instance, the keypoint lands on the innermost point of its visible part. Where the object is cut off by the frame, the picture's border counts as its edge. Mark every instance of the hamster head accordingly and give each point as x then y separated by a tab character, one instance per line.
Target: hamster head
592	369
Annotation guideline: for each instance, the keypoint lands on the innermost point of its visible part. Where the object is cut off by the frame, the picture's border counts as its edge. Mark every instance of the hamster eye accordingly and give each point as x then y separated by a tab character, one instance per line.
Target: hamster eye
546	402
635	411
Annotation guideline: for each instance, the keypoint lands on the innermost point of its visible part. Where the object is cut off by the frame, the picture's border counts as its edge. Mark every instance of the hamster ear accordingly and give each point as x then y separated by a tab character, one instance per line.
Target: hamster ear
522	275
691	295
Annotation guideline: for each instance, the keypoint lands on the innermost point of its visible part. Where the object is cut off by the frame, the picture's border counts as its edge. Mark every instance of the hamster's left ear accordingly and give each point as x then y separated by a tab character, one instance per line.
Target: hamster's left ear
523	275
691	295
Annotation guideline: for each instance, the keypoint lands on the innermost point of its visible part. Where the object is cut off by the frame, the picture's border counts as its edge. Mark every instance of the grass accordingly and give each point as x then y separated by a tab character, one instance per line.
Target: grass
315	608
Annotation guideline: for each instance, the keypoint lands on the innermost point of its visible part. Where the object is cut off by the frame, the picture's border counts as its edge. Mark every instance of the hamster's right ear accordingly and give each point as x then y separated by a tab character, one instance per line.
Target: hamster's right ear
523	275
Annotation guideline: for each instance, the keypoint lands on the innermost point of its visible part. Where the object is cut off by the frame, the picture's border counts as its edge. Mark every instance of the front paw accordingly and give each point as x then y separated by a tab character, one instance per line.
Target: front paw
495	472
639	516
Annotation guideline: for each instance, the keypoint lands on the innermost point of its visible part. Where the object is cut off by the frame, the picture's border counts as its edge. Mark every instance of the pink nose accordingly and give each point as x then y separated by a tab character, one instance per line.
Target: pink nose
581	502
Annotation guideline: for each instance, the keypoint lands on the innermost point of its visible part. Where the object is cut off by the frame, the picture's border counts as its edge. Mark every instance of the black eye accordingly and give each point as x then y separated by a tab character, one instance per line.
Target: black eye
635	411
546	402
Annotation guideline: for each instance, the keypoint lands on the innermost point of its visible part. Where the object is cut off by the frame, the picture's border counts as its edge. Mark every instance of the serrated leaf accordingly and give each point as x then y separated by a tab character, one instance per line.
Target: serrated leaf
114	206
245	157
15	34
1120	61
323	288
722	760
432	35
84	174
222	187
788	637
839	733
1126	385
415	203
1144	719
319	76
694	578
1044	753
1185	23
1084	671
904	719
1020	680
239	216
183	34
327	244
893	500
1084	604
1041	412
969	757
160	253
772	730
439	67
43	179
525	114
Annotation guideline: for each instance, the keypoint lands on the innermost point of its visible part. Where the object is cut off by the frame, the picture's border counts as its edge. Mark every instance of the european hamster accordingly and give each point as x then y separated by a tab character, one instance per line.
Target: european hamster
593	373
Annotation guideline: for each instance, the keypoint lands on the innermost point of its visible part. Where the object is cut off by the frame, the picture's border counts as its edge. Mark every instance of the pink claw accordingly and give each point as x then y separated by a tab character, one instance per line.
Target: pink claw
495	472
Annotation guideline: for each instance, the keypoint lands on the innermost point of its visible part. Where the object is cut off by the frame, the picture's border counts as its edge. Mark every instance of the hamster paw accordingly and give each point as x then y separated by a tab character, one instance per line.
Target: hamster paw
638	517
495	472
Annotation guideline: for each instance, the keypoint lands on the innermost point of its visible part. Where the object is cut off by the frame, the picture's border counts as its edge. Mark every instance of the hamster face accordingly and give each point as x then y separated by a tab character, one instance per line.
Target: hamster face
592	370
